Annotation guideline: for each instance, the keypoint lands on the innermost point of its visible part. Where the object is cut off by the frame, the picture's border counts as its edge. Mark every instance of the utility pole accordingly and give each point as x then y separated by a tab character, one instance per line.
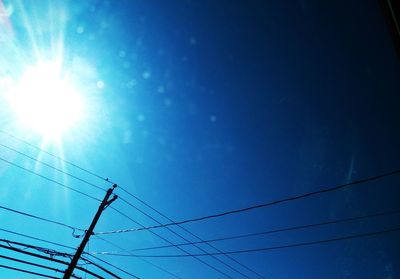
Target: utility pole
104	204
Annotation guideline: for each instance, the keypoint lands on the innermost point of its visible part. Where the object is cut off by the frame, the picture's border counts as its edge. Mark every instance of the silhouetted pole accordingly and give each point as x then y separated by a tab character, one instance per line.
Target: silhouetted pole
104	204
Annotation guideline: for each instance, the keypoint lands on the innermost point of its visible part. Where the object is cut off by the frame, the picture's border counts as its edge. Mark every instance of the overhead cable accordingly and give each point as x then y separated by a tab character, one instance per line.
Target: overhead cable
72	248
34	264
73	176
41	249
38	239
54	156
102	268
49	179
187	241
188	231
27	271
144	260
170	242
264	249
47	251
52	167
74	229
267	204
106	270
285	229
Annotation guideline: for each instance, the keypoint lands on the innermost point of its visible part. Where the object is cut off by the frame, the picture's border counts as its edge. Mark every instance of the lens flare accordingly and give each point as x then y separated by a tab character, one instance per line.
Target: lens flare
46	101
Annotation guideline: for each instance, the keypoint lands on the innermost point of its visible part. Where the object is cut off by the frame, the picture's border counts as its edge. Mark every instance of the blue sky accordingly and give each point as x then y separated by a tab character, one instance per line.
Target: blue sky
199	107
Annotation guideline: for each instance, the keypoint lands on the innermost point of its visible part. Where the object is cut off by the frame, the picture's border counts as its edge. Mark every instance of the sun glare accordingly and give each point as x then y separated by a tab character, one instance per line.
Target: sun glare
45	101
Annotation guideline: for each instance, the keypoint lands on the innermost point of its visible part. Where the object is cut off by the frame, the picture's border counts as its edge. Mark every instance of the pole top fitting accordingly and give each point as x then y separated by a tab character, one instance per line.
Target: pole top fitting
114	186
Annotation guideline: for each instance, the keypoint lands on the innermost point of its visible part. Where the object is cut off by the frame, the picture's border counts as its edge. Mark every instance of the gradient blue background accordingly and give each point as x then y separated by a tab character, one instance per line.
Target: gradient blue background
210	106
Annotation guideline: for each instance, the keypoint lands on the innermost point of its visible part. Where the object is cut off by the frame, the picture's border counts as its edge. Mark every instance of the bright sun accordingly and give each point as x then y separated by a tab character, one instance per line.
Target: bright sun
45	101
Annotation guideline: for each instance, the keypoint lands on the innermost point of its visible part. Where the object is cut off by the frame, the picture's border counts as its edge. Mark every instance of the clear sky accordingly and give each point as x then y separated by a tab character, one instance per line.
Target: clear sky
201	107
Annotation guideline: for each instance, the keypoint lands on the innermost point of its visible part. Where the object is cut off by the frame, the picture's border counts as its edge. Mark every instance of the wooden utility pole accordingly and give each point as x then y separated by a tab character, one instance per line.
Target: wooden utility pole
104	204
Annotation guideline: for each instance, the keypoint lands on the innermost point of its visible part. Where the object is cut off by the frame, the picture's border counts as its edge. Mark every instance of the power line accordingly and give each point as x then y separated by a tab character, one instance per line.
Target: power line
185	239
102	268
37	248
52	167
51	252
69	247
70	163
110	264
27	271
65	246
56	182
174	223
166	240
55	156
46	241
186	230
301	196
43	219
48	179
105	270
144	260
75	177
263	249
33	264
338	221
40	256
38	239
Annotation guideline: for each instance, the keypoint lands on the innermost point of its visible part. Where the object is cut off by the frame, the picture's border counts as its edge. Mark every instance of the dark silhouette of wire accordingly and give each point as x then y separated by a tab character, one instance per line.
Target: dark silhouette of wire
49	258
69	247
27	271
52	167
110	264
38	239
186	230
338	221
34	264
74	229
301	196
144	260
102	268
186	221
49	179
185	239
93	185
72	248
263	249
168	241
53	243
64	172
55	156
37	248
